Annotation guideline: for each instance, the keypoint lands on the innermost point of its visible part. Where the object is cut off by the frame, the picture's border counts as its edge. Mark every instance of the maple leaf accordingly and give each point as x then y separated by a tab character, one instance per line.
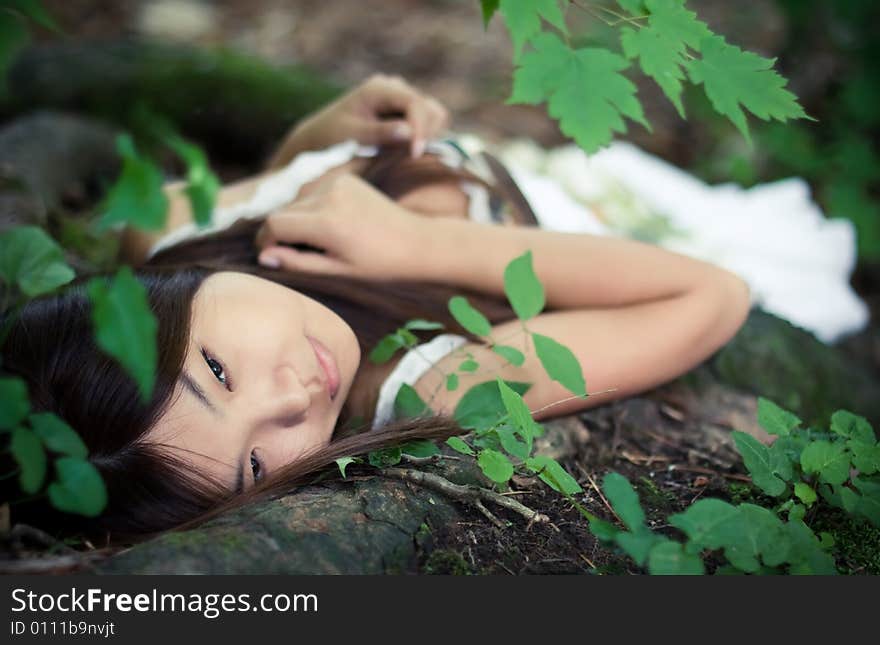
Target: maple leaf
660	58
523	19
733	78
584	90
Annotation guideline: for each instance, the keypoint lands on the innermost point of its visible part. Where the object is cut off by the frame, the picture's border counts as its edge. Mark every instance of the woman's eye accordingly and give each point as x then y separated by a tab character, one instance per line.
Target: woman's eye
255	467
216	368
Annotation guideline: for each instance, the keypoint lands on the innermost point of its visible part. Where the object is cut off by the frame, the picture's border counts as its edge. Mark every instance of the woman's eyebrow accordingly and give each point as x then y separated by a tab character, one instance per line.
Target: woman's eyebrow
199	393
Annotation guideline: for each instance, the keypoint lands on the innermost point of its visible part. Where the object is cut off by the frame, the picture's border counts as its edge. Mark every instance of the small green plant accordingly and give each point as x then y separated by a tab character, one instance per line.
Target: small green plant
802	468
502	427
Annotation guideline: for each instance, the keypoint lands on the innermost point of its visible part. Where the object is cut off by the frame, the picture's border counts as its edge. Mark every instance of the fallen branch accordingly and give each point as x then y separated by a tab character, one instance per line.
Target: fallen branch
474	495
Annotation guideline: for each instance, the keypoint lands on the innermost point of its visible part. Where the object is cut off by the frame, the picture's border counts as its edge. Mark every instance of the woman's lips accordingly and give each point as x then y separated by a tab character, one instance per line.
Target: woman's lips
328	364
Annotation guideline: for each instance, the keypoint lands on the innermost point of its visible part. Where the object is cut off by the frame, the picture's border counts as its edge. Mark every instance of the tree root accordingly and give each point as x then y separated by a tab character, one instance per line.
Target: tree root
474	495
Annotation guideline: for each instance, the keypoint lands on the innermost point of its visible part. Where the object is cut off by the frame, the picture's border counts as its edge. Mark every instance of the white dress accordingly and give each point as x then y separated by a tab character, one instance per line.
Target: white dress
796	262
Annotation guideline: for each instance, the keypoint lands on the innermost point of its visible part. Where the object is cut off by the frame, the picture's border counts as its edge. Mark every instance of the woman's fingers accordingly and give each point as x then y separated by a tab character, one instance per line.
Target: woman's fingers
293	225
288	259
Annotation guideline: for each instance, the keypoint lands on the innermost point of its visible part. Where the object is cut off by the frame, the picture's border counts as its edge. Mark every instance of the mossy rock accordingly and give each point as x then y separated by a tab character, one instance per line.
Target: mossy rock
237	105
772	358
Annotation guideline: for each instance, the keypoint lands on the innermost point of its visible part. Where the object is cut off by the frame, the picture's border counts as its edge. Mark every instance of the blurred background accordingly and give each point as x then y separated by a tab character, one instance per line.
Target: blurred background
233	76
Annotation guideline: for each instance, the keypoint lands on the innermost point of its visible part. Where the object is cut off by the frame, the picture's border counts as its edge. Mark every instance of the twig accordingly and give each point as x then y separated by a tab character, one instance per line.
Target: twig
602	497
485	511
707	471
433	459
470	494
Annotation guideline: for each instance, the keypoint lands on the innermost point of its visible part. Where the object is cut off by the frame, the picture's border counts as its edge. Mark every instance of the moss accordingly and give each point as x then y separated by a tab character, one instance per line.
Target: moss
788	365
445	562
652	496
856	541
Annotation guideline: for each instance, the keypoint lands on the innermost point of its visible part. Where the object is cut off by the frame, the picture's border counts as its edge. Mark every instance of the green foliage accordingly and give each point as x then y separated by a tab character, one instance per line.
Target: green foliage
14	403
57	435
482	406
125	327
734	78
459	445
79	488
343	462
522	288
420	448
137	197
408	403
524	19
495	465
587	91
202	184
550	472
32	261
560	364
468	317
489	8
28	452
511	354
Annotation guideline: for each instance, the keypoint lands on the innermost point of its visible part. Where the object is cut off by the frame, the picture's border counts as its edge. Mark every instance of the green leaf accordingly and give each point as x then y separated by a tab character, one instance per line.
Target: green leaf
137	197
553	474
420	324
804	493
806	554
676	23
516	408
774	419
869	503
733	77
409	339
511	354
385	457
386	348
489	8
57	435
522	288
637	545
469	365
468	317
451	382
14	403
624	500
668	558
708	523
829	460
560	364
865	456
508	436
408	403
849	499
852	426
584	89
202	184
125	327
420	448
343	463
761	465
524	19
28	452
32	260
458	445
495	465
660	58
78	487
481	406
797	512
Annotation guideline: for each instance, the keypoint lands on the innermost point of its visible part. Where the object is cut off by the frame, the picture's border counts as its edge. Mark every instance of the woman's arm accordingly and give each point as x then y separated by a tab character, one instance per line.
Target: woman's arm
635	315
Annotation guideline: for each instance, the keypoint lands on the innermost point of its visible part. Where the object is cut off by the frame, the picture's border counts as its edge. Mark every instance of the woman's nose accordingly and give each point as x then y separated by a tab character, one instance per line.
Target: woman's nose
289	398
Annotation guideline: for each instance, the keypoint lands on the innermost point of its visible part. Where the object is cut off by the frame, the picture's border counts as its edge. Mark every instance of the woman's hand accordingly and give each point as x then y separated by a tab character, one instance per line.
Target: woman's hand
381	110
357	230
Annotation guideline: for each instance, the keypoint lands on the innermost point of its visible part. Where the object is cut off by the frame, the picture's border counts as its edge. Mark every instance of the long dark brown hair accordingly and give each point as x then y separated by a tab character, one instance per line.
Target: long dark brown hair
51	346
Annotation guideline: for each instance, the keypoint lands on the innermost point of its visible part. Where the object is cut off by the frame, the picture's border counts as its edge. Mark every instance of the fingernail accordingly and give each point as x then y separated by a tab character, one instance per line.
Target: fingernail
401	132
418	148
269	261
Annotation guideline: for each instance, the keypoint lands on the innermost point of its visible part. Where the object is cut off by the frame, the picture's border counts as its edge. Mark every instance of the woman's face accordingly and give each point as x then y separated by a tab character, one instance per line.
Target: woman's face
265	377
